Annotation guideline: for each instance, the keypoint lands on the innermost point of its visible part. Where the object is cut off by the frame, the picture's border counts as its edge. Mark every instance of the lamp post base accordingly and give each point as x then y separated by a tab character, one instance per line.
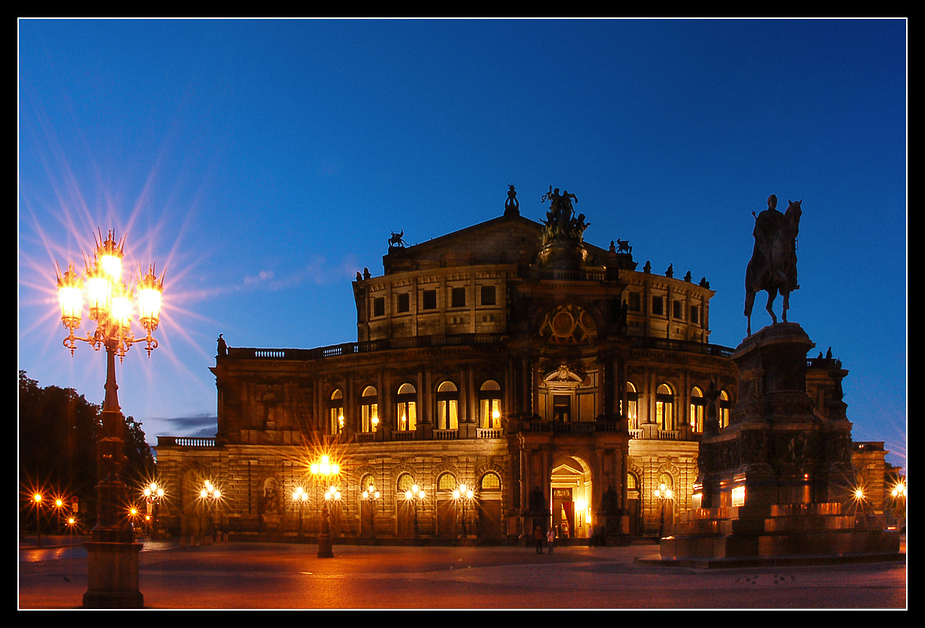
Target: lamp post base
112	575
325	547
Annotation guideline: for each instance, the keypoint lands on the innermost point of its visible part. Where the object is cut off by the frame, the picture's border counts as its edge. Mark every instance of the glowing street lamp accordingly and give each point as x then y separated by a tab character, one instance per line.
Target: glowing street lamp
325	469
371	495
664	495
112	552
153	495
299	496
208	495
415	495
465	494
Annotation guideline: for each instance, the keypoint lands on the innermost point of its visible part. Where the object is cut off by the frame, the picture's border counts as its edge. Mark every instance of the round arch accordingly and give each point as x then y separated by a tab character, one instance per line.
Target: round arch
571	497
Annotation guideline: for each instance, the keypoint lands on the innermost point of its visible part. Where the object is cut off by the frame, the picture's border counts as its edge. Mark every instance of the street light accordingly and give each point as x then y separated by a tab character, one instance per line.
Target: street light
299	496
371	495
37	504
414	495
325	469
112	552
664	494
153	495
208	495
463	493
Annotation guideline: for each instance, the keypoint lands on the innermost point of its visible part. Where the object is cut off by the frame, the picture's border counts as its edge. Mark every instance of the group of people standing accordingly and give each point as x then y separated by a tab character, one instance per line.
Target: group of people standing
549	536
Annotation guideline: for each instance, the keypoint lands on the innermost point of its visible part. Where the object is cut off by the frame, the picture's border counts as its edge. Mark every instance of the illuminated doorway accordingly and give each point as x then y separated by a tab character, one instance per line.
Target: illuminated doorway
570	488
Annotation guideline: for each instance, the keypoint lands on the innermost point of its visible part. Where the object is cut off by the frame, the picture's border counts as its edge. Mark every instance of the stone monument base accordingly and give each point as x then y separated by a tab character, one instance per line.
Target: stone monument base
780	533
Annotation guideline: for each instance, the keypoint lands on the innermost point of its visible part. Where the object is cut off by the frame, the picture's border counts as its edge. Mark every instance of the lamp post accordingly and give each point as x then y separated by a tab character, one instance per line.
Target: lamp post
153	496
112	552
209	495
463	493
664	494
414	495
325	469
37	504
371	495
299	496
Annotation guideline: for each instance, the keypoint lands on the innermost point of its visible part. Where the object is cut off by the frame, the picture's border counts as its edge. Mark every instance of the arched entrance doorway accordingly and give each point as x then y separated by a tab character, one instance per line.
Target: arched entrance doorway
570	499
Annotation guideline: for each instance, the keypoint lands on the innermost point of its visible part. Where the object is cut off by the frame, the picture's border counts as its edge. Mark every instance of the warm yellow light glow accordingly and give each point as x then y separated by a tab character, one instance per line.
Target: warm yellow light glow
121	308
99	293
37	498
111	265
859	493
738	496
149	303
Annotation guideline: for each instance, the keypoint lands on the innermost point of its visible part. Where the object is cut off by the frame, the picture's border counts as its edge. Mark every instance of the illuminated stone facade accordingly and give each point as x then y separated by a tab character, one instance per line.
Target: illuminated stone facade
553	377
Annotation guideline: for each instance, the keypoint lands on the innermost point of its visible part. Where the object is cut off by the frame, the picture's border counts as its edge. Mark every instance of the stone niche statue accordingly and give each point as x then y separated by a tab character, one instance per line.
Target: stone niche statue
773	265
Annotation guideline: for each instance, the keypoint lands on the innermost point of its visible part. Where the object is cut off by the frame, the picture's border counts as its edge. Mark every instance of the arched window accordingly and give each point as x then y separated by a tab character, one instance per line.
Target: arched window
722	413
447	406
664	407
490	483
490	405
632	406
698	407
447	482
336	412
406	408
369	409
405	482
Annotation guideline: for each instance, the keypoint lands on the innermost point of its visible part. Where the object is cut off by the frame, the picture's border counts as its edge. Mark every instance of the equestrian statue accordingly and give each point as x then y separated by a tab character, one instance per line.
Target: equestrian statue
773	266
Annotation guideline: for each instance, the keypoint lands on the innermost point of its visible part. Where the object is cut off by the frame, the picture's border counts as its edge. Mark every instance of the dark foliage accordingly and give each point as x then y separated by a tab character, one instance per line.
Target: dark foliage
58	431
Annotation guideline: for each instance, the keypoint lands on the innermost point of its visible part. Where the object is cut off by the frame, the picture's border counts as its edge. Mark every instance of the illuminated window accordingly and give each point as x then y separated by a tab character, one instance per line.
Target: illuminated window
405	482
406	408
447	482
723	410
447	406
369	409
336	412
562	408
632	403
664	407
490	482
698	406
490	405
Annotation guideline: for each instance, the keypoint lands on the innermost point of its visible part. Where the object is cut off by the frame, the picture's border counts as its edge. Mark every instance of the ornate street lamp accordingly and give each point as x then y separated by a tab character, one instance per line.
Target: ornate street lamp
415	495
299	496
325	469
153	495
112	551
208	495
463	493
371	495
664	495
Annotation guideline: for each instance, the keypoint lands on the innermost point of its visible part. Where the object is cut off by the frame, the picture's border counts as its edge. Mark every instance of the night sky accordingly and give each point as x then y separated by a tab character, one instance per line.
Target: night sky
262	163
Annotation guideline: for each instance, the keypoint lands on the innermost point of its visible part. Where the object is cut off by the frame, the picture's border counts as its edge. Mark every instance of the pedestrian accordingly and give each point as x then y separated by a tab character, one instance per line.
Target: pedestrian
538	536
551	539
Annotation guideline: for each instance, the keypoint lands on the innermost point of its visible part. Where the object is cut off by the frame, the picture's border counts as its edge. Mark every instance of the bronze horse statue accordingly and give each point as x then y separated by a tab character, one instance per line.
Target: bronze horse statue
773	266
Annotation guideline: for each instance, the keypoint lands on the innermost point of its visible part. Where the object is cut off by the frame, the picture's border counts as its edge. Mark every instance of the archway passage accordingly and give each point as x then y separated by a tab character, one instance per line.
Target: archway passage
571	498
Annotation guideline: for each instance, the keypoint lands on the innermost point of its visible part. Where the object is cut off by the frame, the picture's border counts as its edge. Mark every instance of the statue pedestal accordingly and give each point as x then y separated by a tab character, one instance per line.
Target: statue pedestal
773	482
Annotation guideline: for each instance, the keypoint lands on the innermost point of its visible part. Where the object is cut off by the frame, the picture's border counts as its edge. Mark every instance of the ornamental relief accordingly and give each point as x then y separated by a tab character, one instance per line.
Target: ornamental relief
568	324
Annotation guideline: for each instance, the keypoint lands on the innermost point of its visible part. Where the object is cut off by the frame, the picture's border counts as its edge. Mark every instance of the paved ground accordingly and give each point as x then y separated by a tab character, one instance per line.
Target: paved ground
282	576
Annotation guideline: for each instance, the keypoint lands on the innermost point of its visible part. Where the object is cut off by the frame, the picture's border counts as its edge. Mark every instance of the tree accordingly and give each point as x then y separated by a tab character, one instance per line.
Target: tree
58	431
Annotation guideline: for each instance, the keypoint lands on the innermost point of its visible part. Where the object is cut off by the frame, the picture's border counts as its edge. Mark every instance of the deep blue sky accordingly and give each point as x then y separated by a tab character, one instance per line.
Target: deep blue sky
262	163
